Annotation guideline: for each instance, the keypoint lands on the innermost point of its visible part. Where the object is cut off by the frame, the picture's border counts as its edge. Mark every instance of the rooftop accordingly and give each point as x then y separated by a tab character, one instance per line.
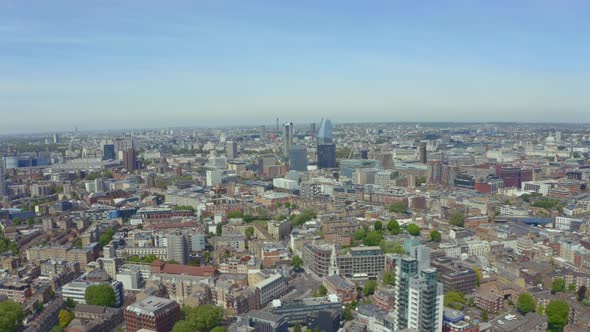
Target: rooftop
151	305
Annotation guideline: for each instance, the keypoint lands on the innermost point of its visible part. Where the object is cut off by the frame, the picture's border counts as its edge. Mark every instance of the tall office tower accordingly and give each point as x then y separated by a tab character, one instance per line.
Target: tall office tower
130	159
558	136
287	138
422	149
178	248
108	152
231	149
55	138
298	158
418	295
325	131
312	129
326	155
434	171
3	189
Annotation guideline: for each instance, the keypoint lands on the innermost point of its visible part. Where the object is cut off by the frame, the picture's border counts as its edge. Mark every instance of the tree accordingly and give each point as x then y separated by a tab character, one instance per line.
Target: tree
557	285
389	278
249	232
204	317
303	217
540	310
454	300
582	293
484	315
369	288
321	291
183	326
413	229
297	262
557	314
378	225
526	303
106	237
102	295
457	219
218	230
70	303
219	329
373	238
359	234
392	247
398	207
435	236
297	328
478	276
348	312
56	328
11	316
571	287
65	317
393	227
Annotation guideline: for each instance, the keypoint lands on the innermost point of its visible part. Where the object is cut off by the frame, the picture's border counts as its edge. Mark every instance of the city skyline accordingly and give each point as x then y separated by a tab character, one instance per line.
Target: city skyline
101	65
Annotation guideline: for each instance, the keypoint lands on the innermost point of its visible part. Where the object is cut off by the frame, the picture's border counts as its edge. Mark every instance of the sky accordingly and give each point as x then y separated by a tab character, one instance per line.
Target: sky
143	64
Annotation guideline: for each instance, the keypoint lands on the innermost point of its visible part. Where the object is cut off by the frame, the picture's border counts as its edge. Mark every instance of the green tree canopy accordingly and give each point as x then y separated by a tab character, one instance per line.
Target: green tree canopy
359	234
392	247
389	278
413	229
378	225
373	238
102	295
526	303
204	317
558	285
304	216
11	316
249	232
393	227
218	230
398	207
106	237
457	219
183	326
65	317
297	328
557	314
454	300
348	312
219	329
369	288
297	262
435	236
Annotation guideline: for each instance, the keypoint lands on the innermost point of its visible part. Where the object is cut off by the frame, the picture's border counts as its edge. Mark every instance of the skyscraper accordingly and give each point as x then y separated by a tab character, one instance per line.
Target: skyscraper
422	150
231	149
325	131
418	294
326	155
298	158
287	138
130	159
3	189
108	152
178	248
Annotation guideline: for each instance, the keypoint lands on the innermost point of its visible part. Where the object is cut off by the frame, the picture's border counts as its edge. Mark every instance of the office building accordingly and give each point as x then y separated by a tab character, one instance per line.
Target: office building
108	152
324	260
198	241
298	158
326	155
214	177
3	188
325	132
152	313
302	310
287	138
231	149
422	150
178	248
419	296
77	289
272	288
130	160
258	320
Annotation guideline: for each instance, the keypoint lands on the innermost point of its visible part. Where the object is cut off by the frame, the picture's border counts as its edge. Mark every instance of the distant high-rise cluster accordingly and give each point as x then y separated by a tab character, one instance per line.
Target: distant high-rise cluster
325	131
326	149
287	137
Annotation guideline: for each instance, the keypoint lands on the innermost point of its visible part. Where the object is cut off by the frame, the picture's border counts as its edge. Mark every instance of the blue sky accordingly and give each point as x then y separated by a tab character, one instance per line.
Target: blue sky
123	64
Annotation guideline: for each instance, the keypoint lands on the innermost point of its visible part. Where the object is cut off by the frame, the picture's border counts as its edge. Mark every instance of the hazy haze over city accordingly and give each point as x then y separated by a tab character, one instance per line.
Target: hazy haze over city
113	64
